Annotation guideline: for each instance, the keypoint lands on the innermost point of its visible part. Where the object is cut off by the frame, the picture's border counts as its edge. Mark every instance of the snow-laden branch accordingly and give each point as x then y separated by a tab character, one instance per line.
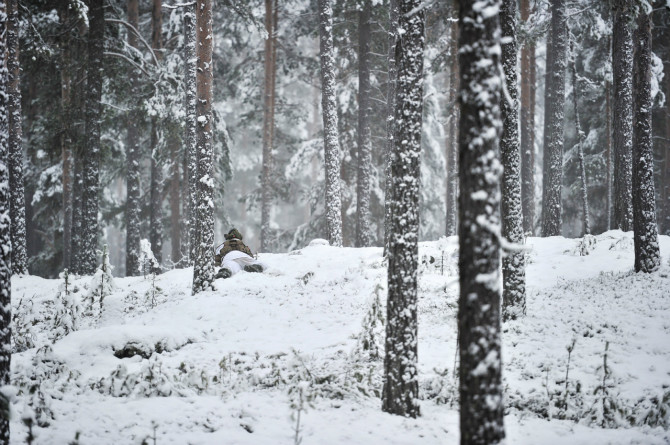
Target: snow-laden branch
128	59
139	36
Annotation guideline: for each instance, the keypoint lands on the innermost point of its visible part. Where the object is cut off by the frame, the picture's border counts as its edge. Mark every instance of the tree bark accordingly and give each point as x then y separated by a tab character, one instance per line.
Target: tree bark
608	152
647	254
513	264
156	191
364	164
586	222
553	122
452	141
66	137
622	73
268	126
175	200
203	270
527	127
91	160
5	231
481	396
331	143
190	61
18	201
133	162
401	387
390	120
666	164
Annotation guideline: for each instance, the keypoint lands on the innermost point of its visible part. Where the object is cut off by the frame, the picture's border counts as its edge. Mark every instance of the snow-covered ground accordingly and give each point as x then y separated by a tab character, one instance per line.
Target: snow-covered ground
305	339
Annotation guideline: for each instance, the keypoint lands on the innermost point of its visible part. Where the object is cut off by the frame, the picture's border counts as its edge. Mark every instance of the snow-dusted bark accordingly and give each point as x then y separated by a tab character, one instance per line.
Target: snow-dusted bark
18	202
401	387
91	159
133	162
364	164
190	60
481	397
175	200
666	164
268	125
527	126
390	119
622	73
452	139
608	152
553	121
156	185
331	143
67	154
586	222
647	255
203	270
5	233
513	267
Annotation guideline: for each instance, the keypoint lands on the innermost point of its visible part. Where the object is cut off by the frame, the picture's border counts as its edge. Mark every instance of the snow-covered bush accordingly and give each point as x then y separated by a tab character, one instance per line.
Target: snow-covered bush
23	321
607	410
147	261
101	286
65	311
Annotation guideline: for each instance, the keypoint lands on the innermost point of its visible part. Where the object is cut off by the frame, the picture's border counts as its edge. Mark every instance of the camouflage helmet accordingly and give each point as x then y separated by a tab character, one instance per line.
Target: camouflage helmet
234	233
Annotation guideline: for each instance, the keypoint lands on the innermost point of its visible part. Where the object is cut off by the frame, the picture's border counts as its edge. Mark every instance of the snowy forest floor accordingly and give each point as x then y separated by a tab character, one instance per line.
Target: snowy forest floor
236	365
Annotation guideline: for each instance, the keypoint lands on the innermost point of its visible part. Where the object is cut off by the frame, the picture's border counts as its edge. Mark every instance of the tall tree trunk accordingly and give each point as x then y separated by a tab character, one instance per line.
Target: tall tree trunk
203	270
268	127
527	127
331	143
133	161
91	160
513	267
18	201
647	254
5	232
156	191
622	73
190	60
175	199
481	397
66	136
553	122
608	152
586	222
401	387
364	164
390	119
452	149
666	164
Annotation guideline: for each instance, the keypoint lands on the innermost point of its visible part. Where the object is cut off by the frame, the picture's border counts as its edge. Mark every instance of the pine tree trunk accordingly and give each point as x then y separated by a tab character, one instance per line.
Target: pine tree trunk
364	164
401	387
5	231
18	201
452	149
190	60
268	127
586	223
666	164
527	127
622	73
513	267
331	143
390	117
91	160
203	270
647	254
608	153
133	162
66	137
156	186
553	124
175	199
481	397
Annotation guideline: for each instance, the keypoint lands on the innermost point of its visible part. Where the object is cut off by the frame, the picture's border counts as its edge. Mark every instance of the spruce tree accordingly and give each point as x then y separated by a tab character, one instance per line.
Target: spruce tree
586	222
364	161
527	126
156	185
203	270
401	387
190	62
647	254
390	119
331	143
481	395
